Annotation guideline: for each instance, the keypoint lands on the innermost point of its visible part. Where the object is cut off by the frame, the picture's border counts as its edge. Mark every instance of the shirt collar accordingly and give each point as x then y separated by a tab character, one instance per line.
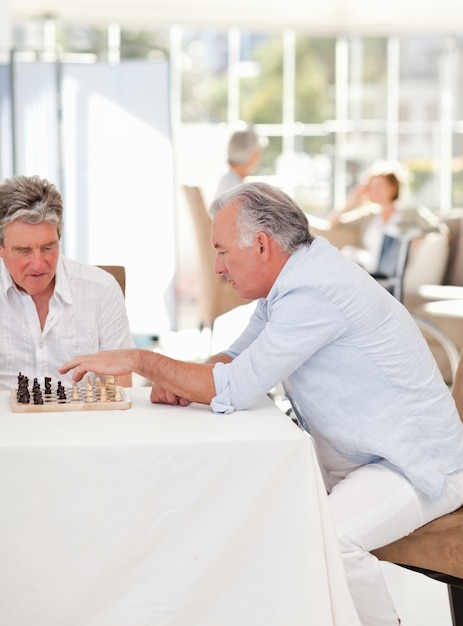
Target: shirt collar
5	279
62	287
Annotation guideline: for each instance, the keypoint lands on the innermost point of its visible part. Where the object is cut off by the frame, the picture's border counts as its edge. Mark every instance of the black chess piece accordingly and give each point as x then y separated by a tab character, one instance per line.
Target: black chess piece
23	395
61	392
38	397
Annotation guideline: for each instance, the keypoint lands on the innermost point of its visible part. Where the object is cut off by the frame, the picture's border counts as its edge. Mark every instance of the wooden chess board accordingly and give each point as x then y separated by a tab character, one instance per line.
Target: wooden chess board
52	404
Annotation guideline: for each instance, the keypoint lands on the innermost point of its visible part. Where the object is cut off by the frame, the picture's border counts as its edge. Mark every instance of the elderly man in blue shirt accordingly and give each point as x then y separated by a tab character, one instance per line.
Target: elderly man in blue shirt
359	375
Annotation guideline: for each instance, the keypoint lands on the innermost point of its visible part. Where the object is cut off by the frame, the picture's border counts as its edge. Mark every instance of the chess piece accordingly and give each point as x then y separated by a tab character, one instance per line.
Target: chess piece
103	396
38	397
89	397
23	395
118	395
98	387
110	387
60	393
75	392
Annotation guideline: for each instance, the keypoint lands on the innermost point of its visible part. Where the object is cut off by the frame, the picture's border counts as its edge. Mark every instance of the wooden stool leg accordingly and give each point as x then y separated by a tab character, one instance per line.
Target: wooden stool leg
456	604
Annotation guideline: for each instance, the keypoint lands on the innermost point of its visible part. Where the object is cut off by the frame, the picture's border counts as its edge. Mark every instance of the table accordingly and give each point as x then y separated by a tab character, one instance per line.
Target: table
441	292
447	316
165	516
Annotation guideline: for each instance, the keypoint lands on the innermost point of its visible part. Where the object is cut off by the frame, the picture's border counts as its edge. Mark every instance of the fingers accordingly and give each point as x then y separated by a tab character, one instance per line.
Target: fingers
162	396
79	373
101	363
173	399
79	369
64	369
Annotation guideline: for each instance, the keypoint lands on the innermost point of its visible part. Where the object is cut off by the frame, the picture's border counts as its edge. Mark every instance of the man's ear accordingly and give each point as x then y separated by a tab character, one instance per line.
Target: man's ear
263	244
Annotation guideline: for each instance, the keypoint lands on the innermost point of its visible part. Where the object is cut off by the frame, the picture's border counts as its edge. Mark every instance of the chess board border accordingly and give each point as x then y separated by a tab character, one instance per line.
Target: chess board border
69	404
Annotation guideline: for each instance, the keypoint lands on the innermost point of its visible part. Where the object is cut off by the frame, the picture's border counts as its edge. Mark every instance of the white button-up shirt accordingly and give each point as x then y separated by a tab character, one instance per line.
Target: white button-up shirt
86	314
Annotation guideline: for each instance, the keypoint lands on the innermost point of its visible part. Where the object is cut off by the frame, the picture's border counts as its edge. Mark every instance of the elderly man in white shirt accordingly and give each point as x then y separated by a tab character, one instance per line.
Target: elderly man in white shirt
52	308
357	370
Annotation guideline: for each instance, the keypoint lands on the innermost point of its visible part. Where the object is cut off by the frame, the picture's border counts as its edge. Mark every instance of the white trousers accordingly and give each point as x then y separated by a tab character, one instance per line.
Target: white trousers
372	506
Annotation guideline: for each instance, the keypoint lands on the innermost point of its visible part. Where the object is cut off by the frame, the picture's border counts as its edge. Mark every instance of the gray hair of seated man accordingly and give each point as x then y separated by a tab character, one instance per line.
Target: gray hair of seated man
242	145
32	200
264	208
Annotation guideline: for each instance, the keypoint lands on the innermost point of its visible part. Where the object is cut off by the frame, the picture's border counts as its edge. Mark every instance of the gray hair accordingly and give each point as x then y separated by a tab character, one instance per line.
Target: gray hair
30	199
241	146
263	208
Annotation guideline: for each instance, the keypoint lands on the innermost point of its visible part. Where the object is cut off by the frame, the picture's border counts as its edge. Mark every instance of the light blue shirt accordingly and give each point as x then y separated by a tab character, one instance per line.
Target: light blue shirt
354	364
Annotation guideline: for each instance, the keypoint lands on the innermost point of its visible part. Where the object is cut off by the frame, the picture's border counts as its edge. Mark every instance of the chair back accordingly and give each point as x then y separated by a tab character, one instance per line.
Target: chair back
118	271
216	295
392	263
457	387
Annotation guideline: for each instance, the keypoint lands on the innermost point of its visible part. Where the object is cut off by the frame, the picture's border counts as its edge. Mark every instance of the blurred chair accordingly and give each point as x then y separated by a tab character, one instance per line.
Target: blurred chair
440	301
216	295
392	263
436	549
230	325
392	266
118	271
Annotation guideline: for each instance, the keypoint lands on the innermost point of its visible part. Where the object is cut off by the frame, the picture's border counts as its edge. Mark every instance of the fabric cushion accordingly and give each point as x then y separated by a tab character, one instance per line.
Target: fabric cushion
427	261
436	546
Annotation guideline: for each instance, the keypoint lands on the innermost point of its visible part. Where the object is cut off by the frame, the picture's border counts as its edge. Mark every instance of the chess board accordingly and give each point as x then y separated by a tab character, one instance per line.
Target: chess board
77	399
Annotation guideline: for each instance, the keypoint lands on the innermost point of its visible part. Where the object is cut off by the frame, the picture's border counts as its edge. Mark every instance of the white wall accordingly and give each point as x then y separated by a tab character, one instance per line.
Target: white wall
119	183
108	148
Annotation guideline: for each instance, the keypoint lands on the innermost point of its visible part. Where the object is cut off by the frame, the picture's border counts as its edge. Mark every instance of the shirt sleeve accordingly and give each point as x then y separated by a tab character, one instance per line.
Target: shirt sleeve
286	330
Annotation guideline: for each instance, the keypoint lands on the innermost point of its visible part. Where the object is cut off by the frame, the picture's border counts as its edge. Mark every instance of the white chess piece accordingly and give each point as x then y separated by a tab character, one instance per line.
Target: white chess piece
110	388
118	396
98	387
89	397
103	397
75	392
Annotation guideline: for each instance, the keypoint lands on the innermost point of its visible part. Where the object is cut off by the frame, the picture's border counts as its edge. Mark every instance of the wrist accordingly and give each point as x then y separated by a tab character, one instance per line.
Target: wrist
143	362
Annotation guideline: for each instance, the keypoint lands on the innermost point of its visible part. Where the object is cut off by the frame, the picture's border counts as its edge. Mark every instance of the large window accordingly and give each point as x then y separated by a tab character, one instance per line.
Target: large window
328	106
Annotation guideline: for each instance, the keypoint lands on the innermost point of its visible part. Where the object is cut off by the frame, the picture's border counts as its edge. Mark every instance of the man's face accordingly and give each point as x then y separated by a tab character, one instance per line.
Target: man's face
240	266
30	253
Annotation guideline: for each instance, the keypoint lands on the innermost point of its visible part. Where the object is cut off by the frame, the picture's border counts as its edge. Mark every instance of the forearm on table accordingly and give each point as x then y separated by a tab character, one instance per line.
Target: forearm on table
192	381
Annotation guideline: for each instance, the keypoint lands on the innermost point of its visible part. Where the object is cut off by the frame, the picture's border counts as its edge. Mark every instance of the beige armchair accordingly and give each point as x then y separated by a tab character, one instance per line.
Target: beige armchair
436	549
216	295
442	303
118	271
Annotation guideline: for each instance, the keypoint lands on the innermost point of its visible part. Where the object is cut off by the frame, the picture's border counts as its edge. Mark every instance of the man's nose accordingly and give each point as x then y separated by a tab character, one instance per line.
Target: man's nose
218	266
37	259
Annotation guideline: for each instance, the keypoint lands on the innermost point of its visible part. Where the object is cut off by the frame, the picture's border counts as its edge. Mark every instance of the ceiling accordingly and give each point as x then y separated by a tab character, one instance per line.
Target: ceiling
321	16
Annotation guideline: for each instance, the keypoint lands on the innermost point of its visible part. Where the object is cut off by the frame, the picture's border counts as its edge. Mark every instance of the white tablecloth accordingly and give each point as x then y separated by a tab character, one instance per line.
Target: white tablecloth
164	516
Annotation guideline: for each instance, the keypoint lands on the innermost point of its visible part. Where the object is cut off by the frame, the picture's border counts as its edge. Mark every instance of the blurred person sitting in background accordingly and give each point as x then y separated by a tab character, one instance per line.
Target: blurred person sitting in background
380	194
244	153
378	206
52	307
